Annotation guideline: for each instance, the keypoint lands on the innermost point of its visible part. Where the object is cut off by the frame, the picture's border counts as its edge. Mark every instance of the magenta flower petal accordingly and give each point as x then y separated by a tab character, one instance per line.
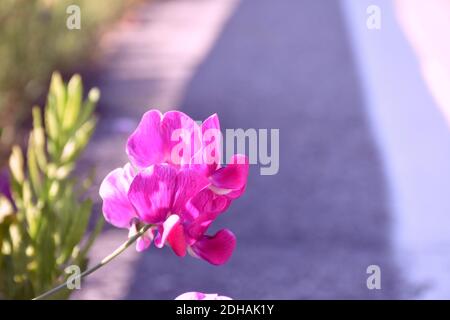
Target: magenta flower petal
211	137
191	296
216	249
182	137
203	210
206	201
143	243
146	146
206	160
172	231
117	209
180	188
177	240
234	175
236	193
151	193
201	296
212	122
189	183
145	240
173	138
165	229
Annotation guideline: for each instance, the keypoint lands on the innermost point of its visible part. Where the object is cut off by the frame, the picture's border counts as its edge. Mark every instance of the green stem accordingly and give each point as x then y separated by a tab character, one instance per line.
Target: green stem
107	259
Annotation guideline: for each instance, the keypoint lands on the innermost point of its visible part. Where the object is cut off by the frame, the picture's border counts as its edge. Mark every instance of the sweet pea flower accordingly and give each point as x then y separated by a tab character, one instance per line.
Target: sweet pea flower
117	209
178	203
175	184
176	139
201	296
158	137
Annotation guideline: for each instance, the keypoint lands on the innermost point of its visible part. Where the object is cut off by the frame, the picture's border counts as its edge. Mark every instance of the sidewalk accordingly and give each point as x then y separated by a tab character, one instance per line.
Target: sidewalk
311	230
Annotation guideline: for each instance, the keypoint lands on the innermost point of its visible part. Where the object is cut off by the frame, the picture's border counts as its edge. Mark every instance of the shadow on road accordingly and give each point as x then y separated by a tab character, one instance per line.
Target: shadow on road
311	230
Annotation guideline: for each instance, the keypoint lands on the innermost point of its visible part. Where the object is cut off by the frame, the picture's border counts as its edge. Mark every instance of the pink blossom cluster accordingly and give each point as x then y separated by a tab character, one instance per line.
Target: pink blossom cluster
175	183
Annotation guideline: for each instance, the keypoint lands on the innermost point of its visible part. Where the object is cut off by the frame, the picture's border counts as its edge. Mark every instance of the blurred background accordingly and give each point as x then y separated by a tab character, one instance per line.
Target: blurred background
358	89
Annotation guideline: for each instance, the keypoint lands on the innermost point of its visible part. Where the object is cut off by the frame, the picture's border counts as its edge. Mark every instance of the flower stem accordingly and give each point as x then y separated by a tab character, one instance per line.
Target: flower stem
107	259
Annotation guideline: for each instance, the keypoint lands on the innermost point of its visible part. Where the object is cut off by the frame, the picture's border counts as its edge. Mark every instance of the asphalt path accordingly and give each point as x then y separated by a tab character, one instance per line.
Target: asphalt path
309	231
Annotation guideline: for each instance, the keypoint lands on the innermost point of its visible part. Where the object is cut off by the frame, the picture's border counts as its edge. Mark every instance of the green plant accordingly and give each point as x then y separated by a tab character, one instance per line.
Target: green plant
34	41
43	227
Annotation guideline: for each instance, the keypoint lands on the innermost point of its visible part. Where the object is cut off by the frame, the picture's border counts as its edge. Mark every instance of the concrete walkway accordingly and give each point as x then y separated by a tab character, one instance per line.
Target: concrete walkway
311	230
414	141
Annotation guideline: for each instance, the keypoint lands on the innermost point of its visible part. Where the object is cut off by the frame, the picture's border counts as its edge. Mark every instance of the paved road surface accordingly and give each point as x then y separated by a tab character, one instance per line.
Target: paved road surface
414	141
311	230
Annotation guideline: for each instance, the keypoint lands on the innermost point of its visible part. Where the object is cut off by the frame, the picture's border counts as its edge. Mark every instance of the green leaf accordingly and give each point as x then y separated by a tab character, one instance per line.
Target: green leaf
38	134
78	142
52	124
88	106
74	101
33	168
59	91
50	221
16	164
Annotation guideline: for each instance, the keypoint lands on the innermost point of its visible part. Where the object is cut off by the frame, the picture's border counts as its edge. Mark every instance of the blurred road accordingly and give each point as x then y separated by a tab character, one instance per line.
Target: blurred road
311	230
413	138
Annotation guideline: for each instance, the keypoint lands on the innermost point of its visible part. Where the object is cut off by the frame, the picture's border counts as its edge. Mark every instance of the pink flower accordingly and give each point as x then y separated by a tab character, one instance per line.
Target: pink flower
166	197
117	209
201	296
176	139
175	183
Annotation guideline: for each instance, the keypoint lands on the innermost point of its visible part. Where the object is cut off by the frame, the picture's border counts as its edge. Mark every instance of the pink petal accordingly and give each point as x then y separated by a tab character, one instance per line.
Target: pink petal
165	229
177	240
216	249
206	201
117	209
191	296
207	159
212	122
203	210
234	175
145	146
189	183
172	232
212	147
144	241
235	193
201	296
152	192
181	136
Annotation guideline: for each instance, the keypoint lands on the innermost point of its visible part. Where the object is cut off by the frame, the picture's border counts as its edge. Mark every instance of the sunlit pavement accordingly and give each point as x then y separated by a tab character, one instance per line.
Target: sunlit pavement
311	230
414	142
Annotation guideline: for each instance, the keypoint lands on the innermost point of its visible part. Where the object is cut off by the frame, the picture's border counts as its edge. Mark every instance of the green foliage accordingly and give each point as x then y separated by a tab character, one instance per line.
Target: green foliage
43	230
34	41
